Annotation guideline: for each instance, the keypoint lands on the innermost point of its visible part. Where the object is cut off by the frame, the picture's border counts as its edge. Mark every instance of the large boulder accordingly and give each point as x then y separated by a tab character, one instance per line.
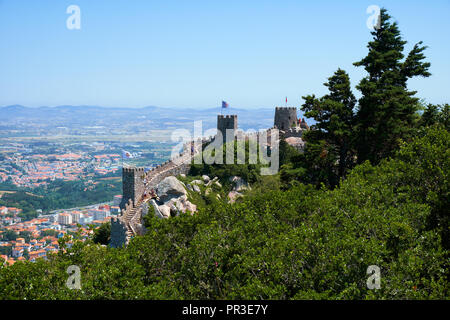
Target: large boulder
181	204
156	209
190	207
165	211
170	188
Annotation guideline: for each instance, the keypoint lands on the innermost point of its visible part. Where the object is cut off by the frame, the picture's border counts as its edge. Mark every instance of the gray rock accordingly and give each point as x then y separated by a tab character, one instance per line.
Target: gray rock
170	188
165	211
181	205
190	187
157	211
205	178
197	182
196	188
190	207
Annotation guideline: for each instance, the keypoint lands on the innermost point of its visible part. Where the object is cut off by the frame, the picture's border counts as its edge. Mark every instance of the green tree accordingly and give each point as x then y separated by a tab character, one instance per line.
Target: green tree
26	254
9	235
387	110
430	115
332	134
436	114
102	234
26	235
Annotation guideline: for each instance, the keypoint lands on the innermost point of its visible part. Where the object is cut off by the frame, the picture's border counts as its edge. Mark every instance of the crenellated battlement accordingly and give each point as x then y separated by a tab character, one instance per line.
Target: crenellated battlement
285	117
285	108
133	169
138	181
226	116
226	122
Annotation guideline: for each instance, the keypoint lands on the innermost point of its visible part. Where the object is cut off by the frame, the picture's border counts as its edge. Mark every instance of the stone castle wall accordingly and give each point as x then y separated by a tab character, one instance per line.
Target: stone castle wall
118	233
285	117
225	122
296	132
132	185
134	205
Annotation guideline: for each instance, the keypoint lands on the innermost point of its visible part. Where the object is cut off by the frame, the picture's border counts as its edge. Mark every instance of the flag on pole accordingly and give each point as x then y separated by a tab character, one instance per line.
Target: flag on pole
225	104
286	100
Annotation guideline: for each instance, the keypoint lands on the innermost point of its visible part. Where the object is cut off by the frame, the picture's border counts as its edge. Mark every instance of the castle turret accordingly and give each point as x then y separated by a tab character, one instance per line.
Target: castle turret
225	122
285	117
132	185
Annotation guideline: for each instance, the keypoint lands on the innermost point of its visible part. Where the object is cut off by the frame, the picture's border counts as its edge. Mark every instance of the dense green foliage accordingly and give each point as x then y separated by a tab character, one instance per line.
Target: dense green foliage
387	110
309	232
298	243
248	170
330	141
102	235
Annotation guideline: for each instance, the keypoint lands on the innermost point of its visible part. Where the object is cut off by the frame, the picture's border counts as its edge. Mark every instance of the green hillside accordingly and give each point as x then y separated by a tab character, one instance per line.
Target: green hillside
371	188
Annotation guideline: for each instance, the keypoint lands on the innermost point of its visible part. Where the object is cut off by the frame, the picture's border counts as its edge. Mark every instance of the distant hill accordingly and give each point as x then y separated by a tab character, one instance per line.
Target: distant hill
95	115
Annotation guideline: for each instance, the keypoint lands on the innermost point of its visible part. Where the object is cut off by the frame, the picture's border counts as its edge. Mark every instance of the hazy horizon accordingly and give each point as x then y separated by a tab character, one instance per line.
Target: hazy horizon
250	54
141	107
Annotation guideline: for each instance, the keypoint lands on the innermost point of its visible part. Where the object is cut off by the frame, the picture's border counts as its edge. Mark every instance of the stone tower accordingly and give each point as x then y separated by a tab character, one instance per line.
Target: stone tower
225	122
285	117
132	185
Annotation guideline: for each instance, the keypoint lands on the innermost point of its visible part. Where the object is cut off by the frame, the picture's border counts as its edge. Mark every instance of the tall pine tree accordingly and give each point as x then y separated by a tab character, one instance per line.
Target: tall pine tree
331	136
387	110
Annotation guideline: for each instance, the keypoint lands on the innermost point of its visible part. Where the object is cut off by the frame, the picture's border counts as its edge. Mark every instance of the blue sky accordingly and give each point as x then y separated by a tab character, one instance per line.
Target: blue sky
198	53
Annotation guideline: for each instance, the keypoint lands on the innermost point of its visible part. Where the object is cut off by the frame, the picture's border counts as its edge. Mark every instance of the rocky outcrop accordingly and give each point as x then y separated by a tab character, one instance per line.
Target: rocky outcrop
164	210
173	198
170	188
136	193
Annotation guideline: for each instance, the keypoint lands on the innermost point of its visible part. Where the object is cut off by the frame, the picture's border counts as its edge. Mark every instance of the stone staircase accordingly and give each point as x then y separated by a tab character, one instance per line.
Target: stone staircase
131	215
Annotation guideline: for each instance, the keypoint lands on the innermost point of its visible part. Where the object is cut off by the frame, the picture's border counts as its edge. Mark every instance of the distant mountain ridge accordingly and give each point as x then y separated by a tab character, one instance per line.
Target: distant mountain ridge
97	115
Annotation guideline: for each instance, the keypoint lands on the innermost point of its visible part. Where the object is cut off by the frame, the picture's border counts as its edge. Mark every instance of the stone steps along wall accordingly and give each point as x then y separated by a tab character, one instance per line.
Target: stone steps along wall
128	223
131	215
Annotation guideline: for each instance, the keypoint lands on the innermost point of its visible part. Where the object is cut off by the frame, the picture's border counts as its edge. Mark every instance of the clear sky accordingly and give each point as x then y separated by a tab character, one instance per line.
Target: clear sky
197	53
